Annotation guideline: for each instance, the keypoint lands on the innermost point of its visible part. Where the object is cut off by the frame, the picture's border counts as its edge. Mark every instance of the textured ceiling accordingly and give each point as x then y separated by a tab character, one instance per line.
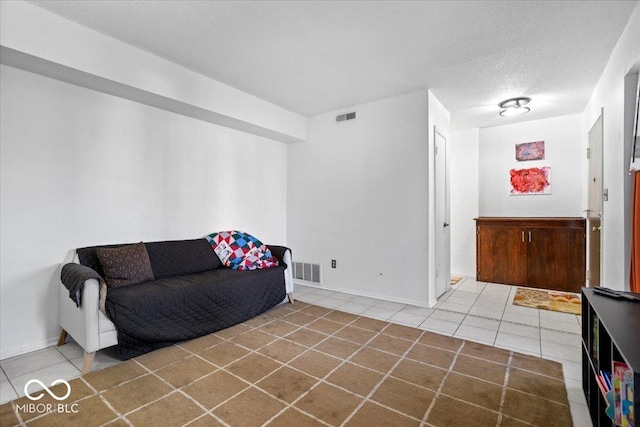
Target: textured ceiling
315	57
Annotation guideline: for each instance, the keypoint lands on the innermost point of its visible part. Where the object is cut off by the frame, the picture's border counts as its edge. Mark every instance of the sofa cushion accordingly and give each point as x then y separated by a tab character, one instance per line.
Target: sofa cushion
125	265
168	258
180	257
156	314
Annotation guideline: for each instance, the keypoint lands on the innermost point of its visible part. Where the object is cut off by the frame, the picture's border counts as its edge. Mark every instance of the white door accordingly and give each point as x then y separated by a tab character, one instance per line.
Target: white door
594	209
443	234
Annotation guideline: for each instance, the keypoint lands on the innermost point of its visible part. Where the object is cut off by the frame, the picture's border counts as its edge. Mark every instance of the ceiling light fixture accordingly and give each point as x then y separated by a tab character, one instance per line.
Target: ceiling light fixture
514	107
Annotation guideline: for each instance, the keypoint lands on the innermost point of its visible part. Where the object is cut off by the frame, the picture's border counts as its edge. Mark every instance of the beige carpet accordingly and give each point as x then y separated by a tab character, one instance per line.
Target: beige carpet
564	302
303	365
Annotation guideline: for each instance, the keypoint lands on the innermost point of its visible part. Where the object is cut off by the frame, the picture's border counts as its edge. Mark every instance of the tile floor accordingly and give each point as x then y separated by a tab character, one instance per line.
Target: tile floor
484	313
475	311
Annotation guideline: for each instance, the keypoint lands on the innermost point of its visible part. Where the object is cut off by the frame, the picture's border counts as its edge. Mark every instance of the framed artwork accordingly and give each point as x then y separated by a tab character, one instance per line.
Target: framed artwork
530	181
530	151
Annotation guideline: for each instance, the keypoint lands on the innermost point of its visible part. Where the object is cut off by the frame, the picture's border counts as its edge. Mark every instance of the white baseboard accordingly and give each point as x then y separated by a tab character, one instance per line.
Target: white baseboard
361	294
18	351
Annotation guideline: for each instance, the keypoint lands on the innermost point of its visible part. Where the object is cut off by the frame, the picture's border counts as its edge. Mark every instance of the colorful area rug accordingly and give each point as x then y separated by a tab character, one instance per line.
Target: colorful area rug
304	365
564	302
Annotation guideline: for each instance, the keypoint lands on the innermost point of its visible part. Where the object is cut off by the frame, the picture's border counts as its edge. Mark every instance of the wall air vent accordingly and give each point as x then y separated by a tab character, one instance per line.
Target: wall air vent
307	272
347	116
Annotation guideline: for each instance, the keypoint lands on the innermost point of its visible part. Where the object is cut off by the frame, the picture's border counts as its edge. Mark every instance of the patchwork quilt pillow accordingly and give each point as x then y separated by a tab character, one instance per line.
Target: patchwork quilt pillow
241	251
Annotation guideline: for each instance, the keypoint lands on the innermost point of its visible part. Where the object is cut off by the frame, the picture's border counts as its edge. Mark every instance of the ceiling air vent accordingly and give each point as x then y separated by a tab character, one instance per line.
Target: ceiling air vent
347	116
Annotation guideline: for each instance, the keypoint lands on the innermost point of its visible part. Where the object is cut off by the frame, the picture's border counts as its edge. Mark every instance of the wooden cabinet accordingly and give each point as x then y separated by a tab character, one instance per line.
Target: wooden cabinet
544	253
610	333
501	255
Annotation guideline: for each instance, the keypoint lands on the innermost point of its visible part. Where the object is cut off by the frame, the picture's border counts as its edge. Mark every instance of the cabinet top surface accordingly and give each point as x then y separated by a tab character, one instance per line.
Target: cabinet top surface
527	218
539	222
621	319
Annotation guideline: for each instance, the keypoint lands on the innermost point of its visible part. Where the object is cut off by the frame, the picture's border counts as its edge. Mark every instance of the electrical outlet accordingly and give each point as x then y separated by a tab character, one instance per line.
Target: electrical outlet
333	263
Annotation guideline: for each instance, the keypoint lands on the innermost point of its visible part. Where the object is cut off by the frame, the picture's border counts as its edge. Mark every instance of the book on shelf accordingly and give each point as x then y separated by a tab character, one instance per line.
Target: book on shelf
606	379
602	385
622	378
630	410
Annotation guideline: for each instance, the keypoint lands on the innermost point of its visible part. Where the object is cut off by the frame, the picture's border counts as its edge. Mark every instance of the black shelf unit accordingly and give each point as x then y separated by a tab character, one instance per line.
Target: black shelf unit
617	325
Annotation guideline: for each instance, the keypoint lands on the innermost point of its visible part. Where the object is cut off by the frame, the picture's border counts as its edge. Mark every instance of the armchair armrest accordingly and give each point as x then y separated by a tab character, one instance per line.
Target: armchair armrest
86	323
279	252
283	254
82	323
74	276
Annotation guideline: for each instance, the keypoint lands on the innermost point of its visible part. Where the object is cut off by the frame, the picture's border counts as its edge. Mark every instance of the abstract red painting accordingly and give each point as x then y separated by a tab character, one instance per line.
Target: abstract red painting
531	181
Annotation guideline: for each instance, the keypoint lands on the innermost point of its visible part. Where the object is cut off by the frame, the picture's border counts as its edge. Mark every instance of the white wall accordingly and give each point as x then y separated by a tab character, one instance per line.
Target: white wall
464	150
610	95
563	153
45	42
358	193
80	168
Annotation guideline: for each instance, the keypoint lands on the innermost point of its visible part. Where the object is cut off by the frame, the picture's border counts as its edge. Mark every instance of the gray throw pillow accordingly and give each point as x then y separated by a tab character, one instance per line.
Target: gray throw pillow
125	265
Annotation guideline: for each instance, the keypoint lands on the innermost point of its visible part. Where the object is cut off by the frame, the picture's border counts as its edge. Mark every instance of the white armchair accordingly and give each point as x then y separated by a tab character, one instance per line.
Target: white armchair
88	326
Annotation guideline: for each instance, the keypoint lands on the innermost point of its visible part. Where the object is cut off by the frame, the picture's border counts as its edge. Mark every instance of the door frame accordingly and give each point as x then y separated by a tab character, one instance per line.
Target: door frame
442	217
593	223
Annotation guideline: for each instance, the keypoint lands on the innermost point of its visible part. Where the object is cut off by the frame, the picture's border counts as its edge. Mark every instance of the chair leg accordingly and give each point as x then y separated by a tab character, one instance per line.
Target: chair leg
87	361
63	338
290	295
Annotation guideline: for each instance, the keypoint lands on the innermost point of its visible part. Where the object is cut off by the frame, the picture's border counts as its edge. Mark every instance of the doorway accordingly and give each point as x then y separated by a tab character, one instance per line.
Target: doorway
594	204
442	229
